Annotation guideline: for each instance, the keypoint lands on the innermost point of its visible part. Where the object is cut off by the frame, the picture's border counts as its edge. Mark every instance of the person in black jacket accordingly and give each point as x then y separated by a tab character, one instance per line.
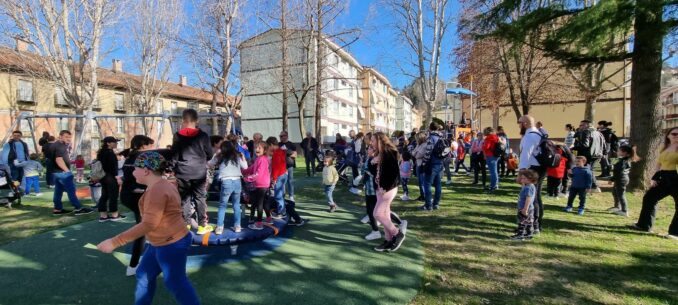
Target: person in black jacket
191	150
620	178
386	183
108	203
310	146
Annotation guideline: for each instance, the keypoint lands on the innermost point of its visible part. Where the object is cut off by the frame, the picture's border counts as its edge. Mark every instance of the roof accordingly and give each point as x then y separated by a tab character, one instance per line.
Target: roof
21	61
376	73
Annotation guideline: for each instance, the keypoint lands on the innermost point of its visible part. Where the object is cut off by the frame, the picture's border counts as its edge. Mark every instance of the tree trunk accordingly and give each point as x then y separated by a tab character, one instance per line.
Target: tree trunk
645	88
302	128
285	68
81	143
590	111
320	57
213	109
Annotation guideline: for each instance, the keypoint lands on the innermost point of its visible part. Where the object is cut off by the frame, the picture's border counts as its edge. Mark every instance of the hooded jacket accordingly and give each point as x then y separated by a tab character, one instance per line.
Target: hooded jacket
191	150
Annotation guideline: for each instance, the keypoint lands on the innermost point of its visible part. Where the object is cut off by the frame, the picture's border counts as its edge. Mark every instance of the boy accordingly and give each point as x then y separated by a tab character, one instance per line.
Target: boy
191	150
32	169
330	179
527	179
582	180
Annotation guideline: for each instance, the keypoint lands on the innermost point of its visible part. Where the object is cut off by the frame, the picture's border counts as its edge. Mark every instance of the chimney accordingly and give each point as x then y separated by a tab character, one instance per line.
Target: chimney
182	80
21	44
117	65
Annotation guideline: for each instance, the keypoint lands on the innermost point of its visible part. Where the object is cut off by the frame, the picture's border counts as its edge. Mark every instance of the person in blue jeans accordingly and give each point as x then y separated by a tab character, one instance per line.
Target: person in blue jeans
32	170
433	169
582	181
231	163
418	153
63	178
489	144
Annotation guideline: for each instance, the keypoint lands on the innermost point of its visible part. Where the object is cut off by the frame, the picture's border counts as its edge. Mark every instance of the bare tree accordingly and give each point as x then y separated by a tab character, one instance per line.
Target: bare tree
591	79
66	35
421	27
154	32
213	49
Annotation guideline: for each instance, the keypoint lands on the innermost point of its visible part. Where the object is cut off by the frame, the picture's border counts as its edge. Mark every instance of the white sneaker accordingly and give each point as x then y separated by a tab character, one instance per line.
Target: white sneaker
562	195
373	235
669	236
621	213
131	271
365	219
403	226
37	194
448	182
597	190
613	209
291	198
354	190
405	198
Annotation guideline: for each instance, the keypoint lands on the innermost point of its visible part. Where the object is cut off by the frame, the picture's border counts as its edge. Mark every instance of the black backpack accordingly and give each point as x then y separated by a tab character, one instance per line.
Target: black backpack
548	155
441	148
499	149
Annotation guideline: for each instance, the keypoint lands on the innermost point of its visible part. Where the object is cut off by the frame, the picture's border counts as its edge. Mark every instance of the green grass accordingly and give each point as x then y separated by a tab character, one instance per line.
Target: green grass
590	259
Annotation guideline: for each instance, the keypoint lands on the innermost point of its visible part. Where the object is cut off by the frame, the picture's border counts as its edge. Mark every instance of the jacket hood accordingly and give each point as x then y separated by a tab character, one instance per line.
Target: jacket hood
189	132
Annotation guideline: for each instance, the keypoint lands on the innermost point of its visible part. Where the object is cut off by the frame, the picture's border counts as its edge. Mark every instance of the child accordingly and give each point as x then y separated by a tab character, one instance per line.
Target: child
79	168
405	173
620	178
527	179
330	179
230	163
163	225
369	170
279	175
582	179
461	155
511	163
32	169
554	176
260	175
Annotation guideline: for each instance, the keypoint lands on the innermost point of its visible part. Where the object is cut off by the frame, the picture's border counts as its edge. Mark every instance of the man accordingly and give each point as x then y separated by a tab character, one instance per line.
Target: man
590	143
529	148
291	160
252	144
49	165
191	150
433	168
310	147
502	159
63	178
354	157
15	150
609	136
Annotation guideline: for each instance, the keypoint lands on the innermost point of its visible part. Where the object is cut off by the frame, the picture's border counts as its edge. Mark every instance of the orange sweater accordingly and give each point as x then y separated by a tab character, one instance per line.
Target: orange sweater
162	221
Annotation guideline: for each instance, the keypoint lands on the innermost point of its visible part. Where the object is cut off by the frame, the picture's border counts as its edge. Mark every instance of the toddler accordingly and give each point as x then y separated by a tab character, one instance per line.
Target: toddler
582	180
527	178
32	170
330	179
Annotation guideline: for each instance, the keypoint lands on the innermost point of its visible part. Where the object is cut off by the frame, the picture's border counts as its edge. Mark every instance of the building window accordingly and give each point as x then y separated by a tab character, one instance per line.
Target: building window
173	107
350	111
350	91
63	124
159	126
120	125
343	105
119	102
343	126
158	106
343	83
336	128
59	97
335	62
335	84
25	91
95	128
95	144
335	106
193	105
96	104
675	98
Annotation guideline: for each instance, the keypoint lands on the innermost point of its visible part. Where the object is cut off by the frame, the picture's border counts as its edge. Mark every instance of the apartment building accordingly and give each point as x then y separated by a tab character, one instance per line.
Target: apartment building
404	114
669	101
377	101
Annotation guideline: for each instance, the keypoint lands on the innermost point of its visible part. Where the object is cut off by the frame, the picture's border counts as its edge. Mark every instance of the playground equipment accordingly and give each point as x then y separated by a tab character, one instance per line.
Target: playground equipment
233	239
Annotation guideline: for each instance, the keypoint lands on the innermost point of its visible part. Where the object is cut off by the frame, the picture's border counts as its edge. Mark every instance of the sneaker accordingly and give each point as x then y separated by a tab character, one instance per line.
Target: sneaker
269	220
204	229
621	213
365	219
448	182
256	226
597	190
424	208
333	207
580	212
37	194
131	271
536	232
373	235
291	198
297	224
219	230
50	186
277	216
354	190
117	218
435	207
671	236
562	195
60	212
82	211
567	209
403	226
104	219
384	247
405	198
420	198
516	237
236	229
637	228
397	241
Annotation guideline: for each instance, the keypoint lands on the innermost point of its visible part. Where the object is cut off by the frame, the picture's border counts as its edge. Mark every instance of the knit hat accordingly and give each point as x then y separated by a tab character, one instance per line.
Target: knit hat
150	160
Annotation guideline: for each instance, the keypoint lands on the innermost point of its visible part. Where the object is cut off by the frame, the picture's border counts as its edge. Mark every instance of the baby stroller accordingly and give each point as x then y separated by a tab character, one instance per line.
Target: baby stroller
321	161
9	190
342	169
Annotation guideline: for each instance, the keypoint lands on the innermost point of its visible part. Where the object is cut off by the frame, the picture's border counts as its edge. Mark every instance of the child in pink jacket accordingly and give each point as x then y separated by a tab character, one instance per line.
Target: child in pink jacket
260	175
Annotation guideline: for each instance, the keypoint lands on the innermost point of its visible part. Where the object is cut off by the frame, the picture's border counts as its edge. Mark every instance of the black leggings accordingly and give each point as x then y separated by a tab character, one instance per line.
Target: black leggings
258	201
109	192
370	203
668	180
131	201
459	163
478	164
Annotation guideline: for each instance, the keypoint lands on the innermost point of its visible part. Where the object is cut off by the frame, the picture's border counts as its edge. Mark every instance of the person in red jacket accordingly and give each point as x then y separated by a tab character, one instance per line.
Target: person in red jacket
489	144
461	155
554	176
278	175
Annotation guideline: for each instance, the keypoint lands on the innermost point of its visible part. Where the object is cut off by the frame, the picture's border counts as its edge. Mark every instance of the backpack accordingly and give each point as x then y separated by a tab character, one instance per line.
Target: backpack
614	142
441	149
548	155
97	171
499	149
598	144
11	156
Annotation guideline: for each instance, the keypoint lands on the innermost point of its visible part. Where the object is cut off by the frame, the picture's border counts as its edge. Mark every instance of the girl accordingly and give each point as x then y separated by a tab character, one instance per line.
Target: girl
386	184
620	178
164	228
231	164
663	184
131	192
527	178
79	168
260	175
419	152
279	176
330	179
512	163
405	172
478	159
461	155
108	203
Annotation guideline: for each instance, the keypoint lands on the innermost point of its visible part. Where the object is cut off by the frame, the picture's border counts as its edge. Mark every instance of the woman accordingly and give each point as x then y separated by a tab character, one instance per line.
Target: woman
231	163
131	192
663	184
491	157
108	203
478	159
418	153
386	184
339	144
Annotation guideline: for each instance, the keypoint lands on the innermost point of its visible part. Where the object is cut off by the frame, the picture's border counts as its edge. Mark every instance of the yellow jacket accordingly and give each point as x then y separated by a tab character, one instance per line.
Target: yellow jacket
330	175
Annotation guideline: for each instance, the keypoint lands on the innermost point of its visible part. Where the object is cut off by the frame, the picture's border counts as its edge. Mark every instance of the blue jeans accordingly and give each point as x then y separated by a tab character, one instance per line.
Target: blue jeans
421	179
279	193
290	182
574	192
63	182
433	178
33	182
230	191
328	192
494	174
170	260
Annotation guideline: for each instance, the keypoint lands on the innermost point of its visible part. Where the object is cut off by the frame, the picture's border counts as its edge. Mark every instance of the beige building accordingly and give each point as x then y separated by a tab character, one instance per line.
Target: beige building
378	103
22	92
669	101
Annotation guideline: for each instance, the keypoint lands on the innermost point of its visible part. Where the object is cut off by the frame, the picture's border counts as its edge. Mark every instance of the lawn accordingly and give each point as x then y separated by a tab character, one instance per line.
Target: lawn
590	259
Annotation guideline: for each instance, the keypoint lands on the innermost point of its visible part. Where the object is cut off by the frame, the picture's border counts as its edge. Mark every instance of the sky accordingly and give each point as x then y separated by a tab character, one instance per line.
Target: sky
377	44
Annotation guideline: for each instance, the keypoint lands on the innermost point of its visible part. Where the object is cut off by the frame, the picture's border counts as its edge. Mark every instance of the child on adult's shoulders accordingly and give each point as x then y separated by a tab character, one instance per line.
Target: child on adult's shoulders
582	181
